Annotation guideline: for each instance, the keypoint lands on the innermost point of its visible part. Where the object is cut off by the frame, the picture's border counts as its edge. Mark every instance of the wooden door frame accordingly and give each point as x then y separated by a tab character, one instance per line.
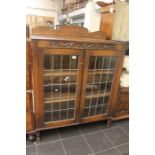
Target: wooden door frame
115	85
38	84
116	82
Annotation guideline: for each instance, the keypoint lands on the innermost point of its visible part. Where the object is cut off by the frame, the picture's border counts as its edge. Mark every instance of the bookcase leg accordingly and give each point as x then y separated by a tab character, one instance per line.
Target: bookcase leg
38	136
31	137
109	123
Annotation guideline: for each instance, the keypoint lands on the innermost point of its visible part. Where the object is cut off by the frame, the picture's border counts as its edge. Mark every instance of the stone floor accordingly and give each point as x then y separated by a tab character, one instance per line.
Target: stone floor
85	139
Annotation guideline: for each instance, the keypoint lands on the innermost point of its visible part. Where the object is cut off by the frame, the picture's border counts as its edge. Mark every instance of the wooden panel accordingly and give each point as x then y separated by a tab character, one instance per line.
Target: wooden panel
121	108
28	52
94	118
67	32
38	85
104	53
28	101
28	65
29	114
116	79
62	52
59	123
28	77
29	121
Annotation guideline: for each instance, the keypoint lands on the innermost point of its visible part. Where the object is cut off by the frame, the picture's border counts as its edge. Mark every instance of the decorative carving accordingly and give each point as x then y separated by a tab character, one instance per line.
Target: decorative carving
81	45
122	104
120	111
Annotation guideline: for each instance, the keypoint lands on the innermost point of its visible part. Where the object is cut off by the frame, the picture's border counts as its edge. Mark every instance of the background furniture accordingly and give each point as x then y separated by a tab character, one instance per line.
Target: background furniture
115	24
34	21
107	19
75	76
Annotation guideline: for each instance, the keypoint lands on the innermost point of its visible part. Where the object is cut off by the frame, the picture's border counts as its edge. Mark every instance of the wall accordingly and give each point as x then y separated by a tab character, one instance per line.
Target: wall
44	8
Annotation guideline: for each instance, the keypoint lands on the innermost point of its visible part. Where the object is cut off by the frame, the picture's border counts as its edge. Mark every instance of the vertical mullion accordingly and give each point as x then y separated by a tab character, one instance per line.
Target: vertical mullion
99	84
112	77
105	85
69	86
61	60
52	89
77	69
92	87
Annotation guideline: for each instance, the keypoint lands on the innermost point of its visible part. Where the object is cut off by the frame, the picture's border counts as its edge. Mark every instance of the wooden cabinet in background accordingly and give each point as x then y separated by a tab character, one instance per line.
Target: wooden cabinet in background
107	21
106	25
76	76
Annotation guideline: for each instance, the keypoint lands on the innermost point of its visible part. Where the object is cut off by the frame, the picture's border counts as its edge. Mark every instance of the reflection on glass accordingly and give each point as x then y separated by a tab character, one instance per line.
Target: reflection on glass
60	82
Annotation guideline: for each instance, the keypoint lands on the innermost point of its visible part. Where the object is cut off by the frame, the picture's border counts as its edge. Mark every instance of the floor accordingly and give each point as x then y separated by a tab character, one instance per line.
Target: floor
85	139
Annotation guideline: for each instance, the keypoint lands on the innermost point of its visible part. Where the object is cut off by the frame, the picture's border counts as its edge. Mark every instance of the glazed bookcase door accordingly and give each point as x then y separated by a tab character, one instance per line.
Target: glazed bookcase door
100	82
61	83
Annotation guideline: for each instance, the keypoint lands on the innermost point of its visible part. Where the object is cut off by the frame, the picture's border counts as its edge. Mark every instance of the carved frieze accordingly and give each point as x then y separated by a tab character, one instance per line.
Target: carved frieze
83	45
120	111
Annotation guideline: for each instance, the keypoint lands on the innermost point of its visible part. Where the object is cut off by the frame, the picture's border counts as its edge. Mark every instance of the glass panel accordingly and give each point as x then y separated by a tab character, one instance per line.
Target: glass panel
47	117
66	60
64	105
91	111
60	83
99	77
56	116
74	62
63	114
72	104
99	84
104	109
55	80
56	106
98	110
47	107
71	113
86	110
87	102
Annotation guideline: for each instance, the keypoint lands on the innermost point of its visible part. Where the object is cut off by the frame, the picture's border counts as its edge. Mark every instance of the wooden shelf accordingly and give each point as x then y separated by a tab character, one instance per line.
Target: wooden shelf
59	73
59	84
72	96
96	94
56	98
68	72
100	72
